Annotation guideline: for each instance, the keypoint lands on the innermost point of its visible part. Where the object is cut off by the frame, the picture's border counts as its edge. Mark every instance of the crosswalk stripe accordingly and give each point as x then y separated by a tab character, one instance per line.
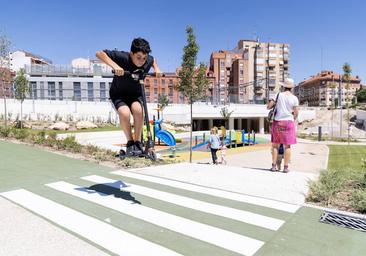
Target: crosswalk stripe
213	192
240	215
105	235
216	236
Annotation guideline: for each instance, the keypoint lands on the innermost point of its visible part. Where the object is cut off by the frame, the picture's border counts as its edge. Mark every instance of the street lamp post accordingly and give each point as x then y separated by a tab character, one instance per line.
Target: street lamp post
210	89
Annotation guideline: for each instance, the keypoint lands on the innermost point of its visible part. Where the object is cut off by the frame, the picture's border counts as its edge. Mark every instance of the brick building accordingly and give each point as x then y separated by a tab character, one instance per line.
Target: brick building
327	89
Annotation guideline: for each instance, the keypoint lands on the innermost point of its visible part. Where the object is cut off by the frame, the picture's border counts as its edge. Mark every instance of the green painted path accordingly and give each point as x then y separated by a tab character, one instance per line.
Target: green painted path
26	168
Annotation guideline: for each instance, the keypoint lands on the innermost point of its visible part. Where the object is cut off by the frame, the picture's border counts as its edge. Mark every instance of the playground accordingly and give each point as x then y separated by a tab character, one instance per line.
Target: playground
170	144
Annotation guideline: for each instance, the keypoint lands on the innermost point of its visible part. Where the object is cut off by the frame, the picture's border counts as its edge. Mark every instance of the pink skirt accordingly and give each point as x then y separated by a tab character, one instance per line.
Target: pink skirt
283	132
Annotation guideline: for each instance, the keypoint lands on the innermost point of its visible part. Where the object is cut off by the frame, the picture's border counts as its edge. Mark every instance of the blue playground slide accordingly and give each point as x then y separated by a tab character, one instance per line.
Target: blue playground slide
163	135
166	137
200	145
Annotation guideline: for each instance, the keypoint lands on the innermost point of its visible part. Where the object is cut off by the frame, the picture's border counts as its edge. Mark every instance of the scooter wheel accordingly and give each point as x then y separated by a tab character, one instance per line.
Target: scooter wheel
152	155
122	154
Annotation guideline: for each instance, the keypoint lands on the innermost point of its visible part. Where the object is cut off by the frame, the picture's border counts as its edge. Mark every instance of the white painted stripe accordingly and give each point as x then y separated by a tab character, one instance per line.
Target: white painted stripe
219	237
240	215
213	192
105	235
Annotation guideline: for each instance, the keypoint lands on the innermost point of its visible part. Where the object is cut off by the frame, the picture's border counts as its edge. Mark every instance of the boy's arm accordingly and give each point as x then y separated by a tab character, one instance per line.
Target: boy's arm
105	58
156	68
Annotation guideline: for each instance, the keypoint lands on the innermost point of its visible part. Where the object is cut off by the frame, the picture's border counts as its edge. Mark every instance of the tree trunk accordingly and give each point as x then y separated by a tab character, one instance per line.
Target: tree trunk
6	113
190	137
21	115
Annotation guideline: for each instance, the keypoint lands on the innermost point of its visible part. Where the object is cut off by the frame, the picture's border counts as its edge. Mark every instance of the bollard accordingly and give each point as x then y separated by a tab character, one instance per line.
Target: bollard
195	140
319	133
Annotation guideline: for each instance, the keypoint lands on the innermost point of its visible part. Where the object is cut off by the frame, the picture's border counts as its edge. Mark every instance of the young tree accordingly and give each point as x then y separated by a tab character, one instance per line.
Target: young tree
163	101
5	76
347	77
192	84
21	91
225	113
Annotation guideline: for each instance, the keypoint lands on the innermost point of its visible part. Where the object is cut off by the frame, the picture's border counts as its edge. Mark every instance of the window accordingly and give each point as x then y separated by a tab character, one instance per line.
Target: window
33	90
260	68
170	83
163	83
170	91
155	82
77	91
51	91
60	91
273	55
41	88
102	91
90	91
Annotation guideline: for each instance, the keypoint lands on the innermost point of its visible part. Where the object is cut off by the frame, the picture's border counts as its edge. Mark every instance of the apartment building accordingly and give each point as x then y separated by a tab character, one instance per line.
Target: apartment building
327	89
267	66
251	73
20	58
221	66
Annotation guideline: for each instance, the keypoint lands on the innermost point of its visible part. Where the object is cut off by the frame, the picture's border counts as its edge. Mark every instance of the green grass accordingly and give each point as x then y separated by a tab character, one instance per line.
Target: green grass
346	157
343	185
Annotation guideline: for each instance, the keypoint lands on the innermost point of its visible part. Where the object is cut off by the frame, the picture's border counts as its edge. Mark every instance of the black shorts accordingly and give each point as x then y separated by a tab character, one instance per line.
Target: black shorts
125	101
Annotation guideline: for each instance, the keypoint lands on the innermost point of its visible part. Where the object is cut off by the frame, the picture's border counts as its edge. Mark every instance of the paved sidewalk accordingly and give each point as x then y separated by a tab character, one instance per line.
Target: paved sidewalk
305	157
291	187
23	233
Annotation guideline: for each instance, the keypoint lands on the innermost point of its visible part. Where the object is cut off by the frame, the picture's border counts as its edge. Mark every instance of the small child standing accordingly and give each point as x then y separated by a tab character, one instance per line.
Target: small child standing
223	154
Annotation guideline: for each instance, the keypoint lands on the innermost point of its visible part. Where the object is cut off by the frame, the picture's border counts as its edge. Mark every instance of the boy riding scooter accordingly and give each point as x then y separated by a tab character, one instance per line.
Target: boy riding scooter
126	92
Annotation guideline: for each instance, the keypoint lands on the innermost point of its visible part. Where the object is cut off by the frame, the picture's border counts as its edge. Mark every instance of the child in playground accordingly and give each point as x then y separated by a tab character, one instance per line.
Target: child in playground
125	93
223	153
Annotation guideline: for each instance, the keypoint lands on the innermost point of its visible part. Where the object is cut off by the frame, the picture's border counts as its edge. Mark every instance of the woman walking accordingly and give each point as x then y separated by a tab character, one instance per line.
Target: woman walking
283	126
214	144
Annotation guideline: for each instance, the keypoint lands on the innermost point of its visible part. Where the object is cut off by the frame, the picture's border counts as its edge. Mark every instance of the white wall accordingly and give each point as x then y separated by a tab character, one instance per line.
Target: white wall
19	60
103	111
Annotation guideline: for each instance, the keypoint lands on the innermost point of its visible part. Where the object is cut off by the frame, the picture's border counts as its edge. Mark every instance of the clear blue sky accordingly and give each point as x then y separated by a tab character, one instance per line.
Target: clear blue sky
67	29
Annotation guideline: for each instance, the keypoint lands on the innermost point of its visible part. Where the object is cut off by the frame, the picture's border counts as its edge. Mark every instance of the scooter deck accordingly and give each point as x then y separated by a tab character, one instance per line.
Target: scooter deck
122	155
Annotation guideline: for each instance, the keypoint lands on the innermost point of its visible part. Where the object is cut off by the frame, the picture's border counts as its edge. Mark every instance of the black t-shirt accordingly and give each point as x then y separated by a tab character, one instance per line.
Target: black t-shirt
124	86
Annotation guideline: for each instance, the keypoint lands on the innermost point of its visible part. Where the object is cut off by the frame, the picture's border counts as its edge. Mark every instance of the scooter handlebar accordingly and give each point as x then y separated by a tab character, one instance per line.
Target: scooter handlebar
138	72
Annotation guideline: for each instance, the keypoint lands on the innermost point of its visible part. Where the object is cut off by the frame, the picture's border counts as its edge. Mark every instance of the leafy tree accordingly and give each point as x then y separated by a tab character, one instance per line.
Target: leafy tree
21	91
5	76
193	85
361	95
163	101
347	77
